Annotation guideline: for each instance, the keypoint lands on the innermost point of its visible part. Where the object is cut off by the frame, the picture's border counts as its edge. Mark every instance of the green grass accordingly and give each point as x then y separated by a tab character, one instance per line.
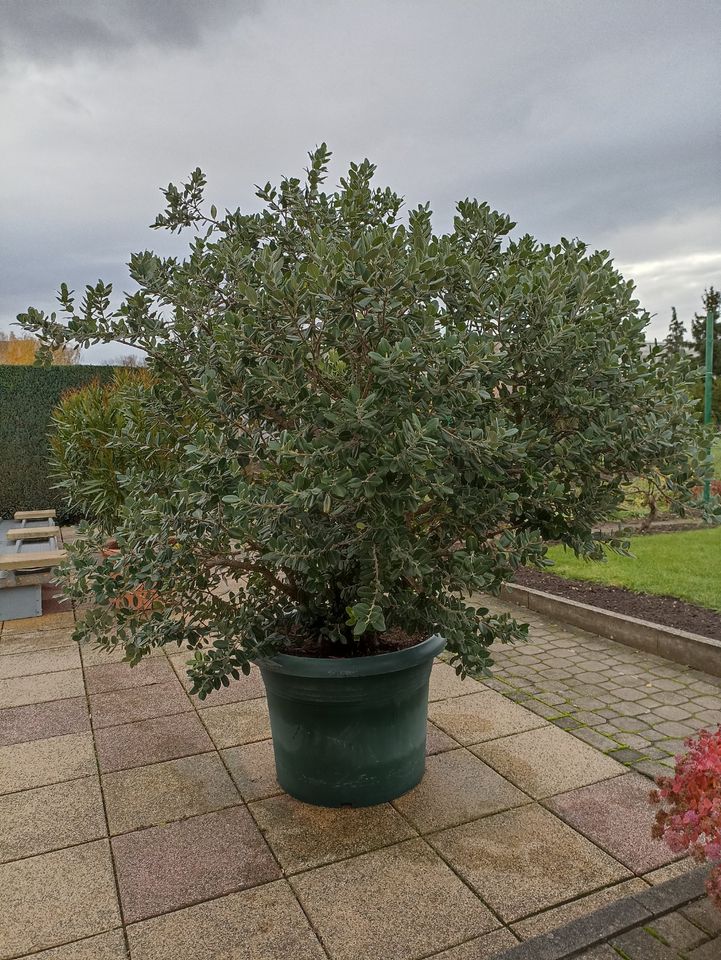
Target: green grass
684	565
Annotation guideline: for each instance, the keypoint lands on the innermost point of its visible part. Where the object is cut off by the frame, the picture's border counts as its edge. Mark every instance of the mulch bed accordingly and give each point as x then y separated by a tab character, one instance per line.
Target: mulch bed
645	606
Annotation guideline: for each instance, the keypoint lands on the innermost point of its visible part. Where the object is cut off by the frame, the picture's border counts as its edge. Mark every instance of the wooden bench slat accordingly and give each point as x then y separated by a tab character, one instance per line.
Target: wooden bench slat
34	515
28	561
32	533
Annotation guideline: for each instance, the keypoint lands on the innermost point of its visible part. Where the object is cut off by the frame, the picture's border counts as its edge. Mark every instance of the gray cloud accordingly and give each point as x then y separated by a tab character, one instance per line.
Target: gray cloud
578	119
42	30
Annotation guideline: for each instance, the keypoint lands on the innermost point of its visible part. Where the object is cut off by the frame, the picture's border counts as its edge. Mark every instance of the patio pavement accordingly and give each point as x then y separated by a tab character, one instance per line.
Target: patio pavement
139	822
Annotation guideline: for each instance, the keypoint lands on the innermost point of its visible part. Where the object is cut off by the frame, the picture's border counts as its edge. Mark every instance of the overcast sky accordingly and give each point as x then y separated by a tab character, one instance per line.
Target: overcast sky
576	117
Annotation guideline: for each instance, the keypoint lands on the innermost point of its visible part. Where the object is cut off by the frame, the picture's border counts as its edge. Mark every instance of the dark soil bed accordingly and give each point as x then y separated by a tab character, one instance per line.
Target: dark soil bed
667	611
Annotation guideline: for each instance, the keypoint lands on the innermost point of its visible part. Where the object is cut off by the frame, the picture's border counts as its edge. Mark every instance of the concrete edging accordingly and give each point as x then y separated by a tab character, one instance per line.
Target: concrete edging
690	649
612	920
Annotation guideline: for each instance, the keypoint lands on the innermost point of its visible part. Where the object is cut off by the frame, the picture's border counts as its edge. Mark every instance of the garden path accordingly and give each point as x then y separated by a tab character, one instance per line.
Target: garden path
139	822
632	705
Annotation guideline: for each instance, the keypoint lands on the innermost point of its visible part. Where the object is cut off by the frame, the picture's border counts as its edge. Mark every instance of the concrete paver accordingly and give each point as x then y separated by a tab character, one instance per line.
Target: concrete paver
461	867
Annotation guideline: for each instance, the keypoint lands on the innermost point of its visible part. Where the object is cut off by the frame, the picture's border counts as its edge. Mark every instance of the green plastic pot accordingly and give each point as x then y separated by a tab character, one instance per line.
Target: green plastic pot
350	732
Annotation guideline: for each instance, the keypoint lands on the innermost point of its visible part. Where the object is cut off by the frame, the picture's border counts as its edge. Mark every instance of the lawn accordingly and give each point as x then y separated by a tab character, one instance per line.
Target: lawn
685	565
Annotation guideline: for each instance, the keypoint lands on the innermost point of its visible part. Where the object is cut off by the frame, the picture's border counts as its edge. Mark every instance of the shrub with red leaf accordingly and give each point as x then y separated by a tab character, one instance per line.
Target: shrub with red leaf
690	800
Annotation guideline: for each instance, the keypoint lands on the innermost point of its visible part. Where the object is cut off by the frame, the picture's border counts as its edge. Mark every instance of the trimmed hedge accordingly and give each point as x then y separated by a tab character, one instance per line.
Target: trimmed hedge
28	396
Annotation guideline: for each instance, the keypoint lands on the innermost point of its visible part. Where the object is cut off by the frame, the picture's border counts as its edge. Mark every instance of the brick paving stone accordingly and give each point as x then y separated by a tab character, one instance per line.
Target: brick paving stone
399	903
704	915
617	816
175	865
37	721
47	818
39	762
639	944
36	892
140	703
264	922
642	692
161	792
151	741
708	951
304	836
677	931
526	860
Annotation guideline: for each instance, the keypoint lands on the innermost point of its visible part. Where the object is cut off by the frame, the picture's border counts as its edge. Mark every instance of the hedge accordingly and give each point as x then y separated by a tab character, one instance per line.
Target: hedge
28	396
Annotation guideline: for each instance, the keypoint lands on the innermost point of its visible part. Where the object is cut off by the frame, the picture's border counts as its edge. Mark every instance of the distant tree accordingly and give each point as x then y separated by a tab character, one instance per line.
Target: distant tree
697	343
21	351
675	341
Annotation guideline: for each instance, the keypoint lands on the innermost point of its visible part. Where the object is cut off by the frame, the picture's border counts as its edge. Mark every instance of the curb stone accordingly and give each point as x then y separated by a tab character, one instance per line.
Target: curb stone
680	646
595	928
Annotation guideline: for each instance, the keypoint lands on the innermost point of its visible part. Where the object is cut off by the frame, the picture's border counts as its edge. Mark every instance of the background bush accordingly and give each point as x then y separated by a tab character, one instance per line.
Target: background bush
28	396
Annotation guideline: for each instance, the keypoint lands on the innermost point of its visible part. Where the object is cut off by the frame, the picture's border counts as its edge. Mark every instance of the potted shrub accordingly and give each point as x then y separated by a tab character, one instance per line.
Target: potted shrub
689	818
363	423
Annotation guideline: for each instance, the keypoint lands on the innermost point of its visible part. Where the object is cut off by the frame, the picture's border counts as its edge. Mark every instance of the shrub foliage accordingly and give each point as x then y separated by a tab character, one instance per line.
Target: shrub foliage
28	396
363	422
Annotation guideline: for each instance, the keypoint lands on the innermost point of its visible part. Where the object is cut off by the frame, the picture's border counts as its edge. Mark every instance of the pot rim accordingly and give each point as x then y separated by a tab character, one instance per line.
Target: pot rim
376	663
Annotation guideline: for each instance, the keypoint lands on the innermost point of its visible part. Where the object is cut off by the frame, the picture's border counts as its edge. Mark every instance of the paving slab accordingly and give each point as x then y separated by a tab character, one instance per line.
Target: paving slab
162	792
526	860
481	716
304	836
456	787
487	947
151	741
437	741
106	946
252	767
556	917
617	816
445	683
14	643
18	691
398	903
36	894
167	867
237	723
265	923
49	818
39	762
547	761
246	688
121	676
50	621
43	661
139	703
37	721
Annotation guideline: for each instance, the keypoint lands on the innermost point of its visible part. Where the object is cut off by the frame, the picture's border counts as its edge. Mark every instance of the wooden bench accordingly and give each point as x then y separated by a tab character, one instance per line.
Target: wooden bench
32	533
26	562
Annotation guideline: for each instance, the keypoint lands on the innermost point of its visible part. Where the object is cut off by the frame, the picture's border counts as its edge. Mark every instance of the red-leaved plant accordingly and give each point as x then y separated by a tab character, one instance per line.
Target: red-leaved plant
690	800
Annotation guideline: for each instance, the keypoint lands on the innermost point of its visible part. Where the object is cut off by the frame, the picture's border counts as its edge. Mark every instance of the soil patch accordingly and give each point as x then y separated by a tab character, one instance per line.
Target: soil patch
388	642
668	611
